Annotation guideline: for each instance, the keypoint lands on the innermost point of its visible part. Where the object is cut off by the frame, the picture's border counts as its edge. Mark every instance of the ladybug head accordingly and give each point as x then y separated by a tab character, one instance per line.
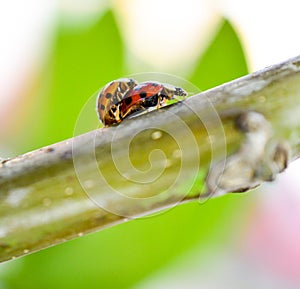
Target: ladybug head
171	91
180	92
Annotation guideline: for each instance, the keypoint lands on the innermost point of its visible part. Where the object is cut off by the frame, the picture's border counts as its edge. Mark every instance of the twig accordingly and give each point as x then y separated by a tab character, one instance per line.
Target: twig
108	176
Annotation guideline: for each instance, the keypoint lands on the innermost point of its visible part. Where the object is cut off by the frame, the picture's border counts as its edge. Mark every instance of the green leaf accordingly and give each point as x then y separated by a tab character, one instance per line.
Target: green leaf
83	61
224	59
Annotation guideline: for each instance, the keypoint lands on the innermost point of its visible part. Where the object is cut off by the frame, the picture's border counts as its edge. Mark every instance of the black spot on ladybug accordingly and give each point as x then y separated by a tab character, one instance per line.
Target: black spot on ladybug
108	95
143	94
155	84
128	100
151	101
102	106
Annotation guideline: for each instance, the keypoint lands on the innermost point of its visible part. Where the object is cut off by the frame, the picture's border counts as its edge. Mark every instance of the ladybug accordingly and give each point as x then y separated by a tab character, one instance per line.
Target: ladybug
148	94
110	96
122	97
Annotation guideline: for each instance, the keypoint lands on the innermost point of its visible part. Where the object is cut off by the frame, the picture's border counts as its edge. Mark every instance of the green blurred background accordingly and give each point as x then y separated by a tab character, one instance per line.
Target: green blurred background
80	59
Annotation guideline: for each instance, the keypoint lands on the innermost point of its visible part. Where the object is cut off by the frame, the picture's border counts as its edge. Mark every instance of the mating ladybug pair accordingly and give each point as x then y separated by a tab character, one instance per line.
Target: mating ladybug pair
122	97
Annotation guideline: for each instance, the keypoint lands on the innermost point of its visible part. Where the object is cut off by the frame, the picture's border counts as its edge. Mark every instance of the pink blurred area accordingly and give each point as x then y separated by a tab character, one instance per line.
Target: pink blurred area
261	251
26	28
272	236
28	32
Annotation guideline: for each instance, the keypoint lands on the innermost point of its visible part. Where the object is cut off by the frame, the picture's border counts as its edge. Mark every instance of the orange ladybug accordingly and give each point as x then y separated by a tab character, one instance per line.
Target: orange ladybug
122	97
110	96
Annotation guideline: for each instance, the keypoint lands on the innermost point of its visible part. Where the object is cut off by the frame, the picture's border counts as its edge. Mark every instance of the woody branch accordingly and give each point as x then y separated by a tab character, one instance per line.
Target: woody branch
44	202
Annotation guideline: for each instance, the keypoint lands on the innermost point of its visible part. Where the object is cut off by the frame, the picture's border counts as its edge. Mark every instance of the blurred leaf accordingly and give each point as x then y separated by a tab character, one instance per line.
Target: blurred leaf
224	60
83	61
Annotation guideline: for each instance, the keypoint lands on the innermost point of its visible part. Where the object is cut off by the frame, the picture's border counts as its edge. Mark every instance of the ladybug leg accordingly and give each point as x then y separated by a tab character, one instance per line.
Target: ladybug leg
113	116
159	102
132	109
162	99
